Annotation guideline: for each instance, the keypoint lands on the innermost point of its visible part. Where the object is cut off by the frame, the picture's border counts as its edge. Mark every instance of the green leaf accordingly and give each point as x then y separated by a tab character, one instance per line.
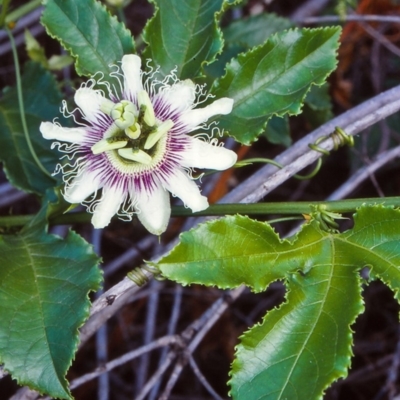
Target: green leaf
87	30
278	131
318	98
42	100
44	286
273	79
318	106
305	345
204	257
375	240
217	68
184	35
243	34
239	37
254	30
255	256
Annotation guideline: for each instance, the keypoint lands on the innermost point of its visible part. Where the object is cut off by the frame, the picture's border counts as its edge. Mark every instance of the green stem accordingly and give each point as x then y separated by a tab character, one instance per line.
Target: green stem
21	11
3	14
286	208
21	105
283	208
249	161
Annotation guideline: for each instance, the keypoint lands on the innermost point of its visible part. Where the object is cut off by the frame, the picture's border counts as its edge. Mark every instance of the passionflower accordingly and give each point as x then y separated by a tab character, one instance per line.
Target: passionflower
134	148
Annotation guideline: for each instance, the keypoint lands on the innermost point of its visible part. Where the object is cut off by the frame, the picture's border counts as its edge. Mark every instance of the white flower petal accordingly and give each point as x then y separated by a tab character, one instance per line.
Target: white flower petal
89	101
70	135
183	187
82	187
200	154
154	210
180	96
131	68
108	206
196	117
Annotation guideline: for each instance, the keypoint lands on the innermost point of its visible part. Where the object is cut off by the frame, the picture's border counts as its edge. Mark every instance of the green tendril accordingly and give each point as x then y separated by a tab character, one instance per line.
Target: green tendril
21	105
339	137
139	277
280	166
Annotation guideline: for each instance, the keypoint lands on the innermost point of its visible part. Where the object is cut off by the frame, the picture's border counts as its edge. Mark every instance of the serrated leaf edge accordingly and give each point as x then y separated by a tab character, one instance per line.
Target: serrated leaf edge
96	260
301	102
217	19
337	374
204	225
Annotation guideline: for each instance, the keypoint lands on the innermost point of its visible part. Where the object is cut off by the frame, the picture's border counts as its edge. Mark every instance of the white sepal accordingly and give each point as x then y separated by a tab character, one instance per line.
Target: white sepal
108	206
132	77
154	210
56	132
89	101
82	187
180	96
200	154
180	185
194	118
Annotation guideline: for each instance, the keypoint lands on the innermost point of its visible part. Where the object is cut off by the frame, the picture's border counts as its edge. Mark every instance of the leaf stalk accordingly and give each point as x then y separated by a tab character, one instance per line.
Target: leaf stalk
21	105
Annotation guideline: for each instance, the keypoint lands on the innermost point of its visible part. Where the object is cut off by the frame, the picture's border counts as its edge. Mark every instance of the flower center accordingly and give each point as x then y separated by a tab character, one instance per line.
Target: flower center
134	134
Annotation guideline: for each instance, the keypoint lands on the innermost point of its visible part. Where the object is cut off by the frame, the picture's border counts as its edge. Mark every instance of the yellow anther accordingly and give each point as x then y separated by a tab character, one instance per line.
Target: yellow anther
104	145
155	136
144	101
135	155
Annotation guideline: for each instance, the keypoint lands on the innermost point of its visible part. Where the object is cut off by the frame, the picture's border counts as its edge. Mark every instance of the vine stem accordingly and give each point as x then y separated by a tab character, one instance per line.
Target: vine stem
250	161
283	208
21	104
287	208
